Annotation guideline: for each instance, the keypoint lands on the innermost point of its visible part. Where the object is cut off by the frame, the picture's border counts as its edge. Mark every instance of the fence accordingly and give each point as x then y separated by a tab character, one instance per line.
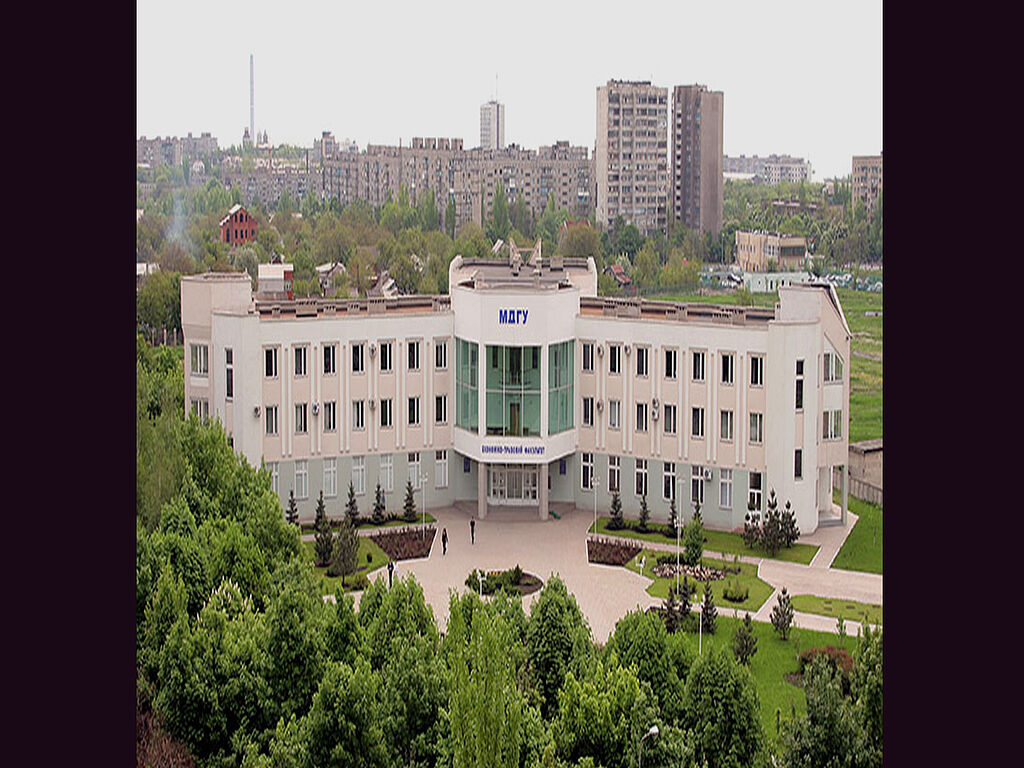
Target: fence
861	489
163	336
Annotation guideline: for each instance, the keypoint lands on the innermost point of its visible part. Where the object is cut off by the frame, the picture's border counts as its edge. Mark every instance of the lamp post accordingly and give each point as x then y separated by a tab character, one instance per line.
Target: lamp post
679	529
423	480
640	753
593	484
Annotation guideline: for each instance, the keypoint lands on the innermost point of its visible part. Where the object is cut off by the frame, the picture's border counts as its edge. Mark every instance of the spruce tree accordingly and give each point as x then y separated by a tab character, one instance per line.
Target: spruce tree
684	599
790	530
645	514
615	523
671	611
673	517
782	615
351	508
409	506
744	643
345	551
292	513
378	506
708	611
771	531
322	527
693	539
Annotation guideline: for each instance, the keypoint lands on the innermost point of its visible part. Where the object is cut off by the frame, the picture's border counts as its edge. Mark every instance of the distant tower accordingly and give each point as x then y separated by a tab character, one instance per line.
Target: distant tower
492	125
252	102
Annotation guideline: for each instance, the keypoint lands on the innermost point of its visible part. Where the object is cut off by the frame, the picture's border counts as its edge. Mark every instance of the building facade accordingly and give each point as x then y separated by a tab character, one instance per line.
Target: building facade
631	165
867	180
492	125
758	250
238	227
522	388
771	170
697	157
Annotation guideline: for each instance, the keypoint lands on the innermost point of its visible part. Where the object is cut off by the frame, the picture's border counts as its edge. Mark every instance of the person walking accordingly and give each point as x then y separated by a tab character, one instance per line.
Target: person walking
444	541
472	531
391	571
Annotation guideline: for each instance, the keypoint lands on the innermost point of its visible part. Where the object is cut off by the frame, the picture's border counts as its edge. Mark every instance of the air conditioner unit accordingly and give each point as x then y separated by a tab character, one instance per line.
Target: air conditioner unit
654	403
373	350
600	351
373	405
707	473
654	413
626	348
256	411
600	405
316	408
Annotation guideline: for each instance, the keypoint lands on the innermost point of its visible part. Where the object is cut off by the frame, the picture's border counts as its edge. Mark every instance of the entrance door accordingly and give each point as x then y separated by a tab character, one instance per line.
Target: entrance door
515	484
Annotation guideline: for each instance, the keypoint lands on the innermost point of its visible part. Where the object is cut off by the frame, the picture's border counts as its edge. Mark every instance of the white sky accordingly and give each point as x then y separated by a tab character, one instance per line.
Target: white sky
800	78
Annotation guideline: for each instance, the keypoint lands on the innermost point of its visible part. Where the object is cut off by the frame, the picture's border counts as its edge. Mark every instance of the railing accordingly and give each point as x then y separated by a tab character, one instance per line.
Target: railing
859	488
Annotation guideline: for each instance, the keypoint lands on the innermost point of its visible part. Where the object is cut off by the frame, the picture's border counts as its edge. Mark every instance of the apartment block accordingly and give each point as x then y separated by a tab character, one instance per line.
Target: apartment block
757	251
697	157
492	125
867	180
771	170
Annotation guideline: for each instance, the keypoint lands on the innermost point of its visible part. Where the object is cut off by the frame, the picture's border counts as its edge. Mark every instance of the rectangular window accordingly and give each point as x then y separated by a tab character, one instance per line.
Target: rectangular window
330	416
441	409
300	361
757	371
414	470
671	356
330	477
698	366
301	479
441	354
586	471
441	469
728	368
271	419
670	419
641	477
270	363
725	488
385	357
414	355
330	359
358	414
359	475
561	377
697	423
358	358
588	411
201	409
833	366
754	491
697	485
387	472
799	385
614	414
386	417
641	417
756	428
275	475
414	411
200	359
613	473
466	384
300	418
798	464
837	425
641	361
668	481
229	377
614	358
726	431
588	356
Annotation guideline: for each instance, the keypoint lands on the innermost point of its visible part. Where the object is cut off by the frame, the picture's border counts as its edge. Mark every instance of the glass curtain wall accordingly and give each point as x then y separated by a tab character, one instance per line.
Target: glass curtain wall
560	386
466	371
513	391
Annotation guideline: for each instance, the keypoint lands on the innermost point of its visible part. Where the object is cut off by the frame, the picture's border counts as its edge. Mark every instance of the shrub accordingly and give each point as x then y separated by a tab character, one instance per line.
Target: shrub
645	515
744	643
771	530
790	530
615	521
735	592
611	551
752	529
782	615
839	660
378	506
709	614
369	558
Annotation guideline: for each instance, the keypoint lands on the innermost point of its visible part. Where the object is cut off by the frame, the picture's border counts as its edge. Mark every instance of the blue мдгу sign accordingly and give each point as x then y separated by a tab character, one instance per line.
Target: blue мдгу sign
512	316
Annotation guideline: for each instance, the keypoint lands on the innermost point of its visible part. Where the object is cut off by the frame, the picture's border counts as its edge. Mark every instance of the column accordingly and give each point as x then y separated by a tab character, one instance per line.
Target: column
481	490
542	491
846	475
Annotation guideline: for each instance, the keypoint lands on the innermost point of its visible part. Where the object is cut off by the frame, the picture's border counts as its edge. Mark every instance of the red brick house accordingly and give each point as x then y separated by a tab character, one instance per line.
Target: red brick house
238	227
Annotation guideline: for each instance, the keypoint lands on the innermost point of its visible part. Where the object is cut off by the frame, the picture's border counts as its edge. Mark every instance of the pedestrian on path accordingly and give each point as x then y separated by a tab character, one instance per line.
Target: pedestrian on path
444	541
472	531
391	571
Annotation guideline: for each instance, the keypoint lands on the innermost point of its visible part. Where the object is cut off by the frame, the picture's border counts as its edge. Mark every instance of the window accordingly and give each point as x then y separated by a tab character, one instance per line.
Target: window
698	366
614	414
300	418
386	417
613	473
728	368
441	409
588	356
330	416
330	477
837	424
726	431
201	408
757	371
641	417
441	354
670	419
798	464
229	374
799	385
833	365
301	479
330	359
414	355
300	361
754	491
725	488
466	384
414	470
200	359
387	472
275	475
614	358
270	363
668	481
756	428
670	363
697	485
440	469
641	361
414	411
359	475
385	357
697	423
271	420
359	358
561	375
586	471
641	477
588	411
358	414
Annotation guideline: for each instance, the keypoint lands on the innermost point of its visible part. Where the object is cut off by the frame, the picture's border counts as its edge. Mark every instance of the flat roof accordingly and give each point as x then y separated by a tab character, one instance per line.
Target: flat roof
484	274
675	311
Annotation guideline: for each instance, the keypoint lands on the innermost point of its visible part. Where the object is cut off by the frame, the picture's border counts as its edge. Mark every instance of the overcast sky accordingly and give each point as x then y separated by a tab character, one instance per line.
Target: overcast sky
800	78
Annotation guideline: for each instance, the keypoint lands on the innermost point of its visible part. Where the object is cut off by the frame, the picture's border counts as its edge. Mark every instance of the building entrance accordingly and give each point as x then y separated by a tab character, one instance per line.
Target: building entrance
512	484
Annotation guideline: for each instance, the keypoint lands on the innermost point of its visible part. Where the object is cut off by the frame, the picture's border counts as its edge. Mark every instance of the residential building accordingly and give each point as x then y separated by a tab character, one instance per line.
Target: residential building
631	165
769	282
770	170
238	226
697	157
521	385
492	125
760	251
867	180
171	150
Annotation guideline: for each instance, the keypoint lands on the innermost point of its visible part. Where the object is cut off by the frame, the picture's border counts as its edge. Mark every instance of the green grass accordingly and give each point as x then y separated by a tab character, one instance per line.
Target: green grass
850	610
718	541
759	591
865	374
308	527
862	550
332	583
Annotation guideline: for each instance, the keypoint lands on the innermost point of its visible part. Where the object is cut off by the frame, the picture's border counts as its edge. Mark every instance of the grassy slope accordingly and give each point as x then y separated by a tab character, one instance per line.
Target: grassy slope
862	550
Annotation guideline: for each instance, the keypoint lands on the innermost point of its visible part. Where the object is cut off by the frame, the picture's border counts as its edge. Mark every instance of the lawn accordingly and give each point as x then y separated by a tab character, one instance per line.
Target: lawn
332	583
865	374
850	610
862	550
758	591
718	541
307	527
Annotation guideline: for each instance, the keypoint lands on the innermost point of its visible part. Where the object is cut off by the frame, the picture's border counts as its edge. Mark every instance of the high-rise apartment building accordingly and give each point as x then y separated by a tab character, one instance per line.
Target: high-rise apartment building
492	125
631	155
697	157
867	180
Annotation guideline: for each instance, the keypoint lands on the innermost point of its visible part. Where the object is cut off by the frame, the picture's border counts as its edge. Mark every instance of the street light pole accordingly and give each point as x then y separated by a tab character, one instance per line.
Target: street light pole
423	480
640	753
679	529
593	484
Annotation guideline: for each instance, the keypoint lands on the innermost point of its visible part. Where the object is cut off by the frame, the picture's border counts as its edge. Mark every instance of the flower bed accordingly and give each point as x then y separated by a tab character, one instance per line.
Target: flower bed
406	543
513	579
610	551
698	572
